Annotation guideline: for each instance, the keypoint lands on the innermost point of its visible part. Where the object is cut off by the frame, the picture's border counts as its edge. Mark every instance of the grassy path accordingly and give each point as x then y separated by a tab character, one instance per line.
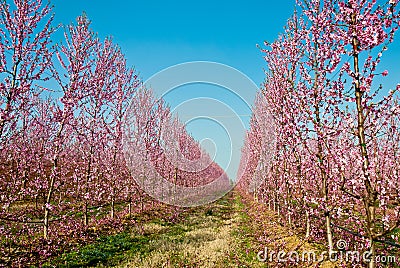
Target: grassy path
208	236
222	234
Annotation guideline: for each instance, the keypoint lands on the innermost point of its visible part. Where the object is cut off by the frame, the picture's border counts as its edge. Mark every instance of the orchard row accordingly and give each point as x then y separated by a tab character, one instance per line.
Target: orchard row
71	113
332	167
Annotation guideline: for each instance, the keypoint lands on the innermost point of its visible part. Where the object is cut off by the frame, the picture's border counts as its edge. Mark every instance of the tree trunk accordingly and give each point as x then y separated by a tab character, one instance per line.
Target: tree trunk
88	174
59	198
47	204
175	182
372	263
46	224
52	181
329	232
308	225
279	210
130	208
85	215
325	191
36	201
327	214
112	207
371	197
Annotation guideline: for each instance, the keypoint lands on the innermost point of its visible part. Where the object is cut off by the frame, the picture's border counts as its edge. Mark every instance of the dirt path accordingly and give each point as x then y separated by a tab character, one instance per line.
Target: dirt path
207	237
227	233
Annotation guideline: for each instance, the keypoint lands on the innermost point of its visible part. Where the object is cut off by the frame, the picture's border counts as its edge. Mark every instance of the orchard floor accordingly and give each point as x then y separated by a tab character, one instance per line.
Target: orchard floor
225	233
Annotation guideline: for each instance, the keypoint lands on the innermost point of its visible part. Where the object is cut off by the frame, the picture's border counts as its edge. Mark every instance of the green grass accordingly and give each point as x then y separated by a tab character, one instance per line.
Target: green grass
246	255
109	250
214	235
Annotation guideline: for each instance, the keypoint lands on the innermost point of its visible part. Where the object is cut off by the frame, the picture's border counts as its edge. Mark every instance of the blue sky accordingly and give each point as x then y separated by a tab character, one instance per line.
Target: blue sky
156	34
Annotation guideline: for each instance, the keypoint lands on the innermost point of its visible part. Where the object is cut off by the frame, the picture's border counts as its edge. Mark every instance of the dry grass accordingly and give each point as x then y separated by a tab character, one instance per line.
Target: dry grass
202	241
223	234
282	237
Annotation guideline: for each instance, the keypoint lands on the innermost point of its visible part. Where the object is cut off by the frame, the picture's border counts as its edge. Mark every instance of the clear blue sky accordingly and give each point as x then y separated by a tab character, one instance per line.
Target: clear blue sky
157	34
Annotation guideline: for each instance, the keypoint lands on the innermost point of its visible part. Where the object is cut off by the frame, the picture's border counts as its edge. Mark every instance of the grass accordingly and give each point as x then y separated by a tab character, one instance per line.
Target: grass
202	238
107	250
208	236
222	234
